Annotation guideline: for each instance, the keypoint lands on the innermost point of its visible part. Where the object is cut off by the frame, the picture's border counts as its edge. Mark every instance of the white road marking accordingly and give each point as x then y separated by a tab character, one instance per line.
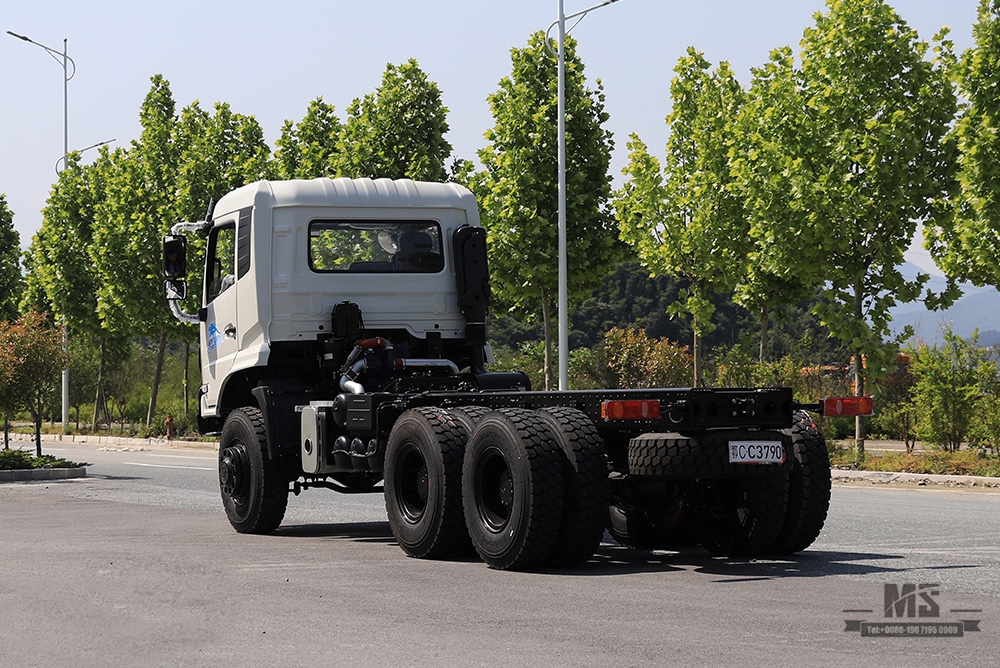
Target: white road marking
170	466
203	457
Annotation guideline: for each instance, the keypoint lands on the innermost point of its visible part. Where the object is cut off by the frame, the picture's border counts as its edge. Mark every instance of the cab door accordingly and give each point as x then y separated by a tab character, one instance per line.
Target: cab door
220	327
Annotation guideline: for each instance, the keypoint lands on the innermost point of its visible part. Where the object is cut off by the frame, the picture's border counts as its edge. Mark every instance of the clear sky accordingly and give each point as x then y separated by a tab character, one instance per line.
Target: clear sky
269	59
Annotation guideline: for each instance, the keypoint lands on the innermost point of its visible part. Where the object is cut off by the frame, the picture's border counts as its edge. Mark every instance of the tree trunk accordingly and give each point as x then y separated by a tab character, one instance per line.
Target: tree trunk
696	356
6	431
187	354
99	398
156	376
765	322
36	415
859	376
547	330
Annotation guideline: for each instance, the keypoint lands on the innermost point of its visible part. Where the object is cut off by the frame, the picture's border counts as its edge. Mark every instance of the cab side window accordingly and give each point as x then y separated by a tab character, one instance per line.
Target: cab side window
221	261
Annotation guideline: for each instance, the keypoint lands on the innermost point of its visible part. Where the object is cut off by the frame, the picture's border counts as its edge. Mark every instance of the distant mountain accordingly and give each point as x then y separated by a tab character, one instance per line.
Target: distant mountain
978	308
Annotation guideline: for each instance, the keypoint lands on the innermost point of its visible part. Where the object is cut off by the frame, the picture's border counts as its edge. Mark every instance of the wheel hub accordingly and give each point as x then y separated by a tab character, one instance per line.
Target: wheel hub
234	471
412	483
495	491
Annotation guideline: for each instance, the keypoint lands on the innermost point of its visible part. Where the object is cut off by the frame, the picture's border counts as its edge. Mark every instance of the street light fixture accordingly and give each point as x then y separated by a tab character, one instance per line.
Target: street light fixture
563	306
64	158
66	62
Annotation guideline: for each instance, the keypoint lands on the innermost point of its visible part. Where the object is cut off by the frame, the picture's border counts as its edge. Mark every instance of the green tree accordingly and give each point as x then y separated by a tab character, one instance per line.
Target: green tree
950	382
35	358
62	270
167	175
141	200
769	118
141	203
984	432
897	413
11	284
60	250
307	149
966	245
216	154
848	155
518	192
684	220
397	131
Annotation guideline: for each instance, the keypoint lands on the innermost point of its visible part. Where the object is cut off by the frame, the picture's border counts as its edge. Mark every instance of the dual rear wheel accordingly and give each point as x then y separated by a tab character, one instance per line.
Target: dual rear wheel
731	512
523	488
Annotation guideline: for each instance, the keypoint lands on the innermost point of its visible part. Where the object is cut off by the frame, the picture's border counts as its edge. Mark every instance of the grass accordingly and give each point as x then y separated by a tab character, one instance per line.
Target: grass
22	459
963	462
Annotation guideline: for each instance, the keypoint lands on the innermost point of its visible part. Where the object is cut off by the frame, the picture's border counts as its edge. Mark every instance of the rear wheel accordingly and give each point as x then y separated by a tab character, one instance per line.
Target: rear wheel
585	476
254	489
512	489
467	417
808	487
423	484
743	517
668	528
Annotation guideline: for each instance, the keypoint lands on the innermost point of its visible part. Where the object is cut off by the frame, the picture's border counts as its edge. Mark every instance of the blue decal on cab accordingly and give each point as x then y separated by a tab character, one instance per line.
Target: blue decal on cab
214	337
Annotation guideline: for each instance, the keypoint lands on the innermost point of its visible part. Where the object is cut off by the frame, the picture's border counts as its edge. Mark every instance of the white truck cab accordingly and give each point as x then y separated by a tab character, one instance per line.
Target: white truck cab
282	254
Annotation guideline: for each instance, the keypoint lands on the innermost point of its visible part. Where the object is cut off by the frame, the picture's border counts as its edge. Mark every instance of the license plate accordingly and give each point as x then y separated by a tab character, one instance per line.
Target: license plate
756	452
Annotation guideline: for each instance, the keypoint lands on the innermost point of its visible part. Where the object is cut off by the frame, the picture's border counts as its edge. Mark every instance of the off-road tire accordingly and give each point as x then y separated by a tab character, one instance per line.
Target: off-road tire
254	488
635	527
585	476
808	488
467	417
423	484
512	489
744	517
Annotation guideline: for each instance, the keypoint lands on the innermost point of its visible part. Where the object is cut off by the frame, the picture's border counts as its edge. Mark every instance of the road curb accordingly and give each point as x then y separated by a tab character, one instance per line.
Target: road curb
919	479
21	475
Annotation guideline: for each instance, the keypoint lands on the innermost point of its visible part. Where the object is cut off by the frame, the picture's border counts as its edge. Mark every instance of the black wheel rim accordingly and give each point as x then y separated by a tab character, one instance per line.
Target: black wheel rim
234	473
411	483
494	490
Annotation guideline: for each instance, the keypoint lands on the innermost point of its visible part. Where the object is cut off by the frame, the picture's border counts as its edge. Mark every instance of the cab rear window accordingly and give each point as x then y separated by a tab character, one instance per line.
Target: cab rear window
361	246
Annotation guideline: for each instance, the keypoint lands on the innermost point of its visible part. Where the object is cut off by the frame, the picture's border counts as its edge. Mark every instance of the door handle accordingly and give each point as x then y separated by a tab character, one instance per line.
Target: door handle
231	330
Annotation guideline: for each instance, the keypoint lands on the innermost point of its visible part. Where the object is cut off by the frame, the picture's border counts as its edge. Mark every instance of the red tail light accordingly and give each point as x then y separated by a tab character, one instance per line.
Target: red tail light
844	406
639	409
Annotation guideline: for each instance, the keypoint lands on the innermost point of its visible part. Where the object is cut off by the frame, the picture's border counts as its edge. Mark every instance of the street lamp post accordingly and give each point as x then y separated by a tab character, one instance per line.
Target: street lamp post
66	62
563	305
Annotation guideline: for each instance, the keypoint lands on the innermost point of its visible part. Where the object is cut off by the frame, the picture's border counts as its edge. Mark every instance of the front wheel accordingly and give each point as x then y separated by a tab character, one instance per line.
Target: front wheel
254	490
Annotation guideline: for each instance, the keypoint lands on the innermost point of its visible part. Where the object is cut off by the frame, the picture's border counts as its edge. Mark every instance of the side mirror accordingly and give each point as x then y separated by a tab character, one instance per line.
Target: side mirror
175	257
174	289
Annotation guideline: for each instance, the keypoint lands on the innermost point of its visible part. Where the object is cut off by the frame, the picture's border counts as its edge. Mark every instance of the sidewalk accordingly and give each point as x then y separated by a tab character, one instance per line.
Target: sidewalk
117	442
849	476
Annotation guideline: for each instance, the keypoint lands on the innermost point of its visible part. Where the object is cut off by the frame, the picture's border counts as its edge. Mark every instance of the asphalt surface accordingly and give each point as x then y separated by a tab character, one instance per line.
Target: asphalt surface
136	565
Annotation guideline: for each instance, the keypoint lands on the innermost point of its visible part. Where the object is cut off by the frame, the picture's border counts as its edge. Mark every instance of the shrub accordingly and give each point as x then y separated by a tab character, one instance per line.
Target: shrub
634	361
22	459
950	382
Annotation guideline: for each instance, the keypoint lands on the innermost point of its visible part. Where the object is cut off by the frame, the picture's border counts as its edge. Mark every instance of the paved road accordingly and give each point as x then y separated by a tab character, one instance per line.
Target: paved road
136	565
